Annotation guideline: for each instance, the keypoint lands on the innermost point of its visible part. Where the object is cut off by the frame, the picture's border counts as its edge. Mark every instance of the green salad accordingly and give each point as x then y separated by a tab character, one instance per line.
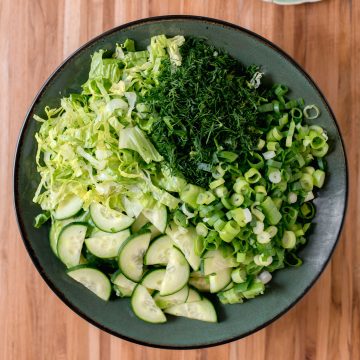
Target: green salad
177	172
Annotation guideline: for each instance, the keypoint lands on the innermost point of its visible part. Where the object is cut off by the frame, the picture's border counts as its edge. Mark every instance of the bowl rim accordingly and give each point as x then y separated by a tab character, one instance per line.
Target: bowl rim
27	119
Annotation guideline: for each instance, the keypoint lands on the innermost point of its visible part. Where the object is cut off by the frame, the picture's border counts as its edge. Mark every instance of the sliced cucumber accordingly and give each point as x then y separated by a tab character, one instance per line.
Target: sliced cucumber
199	310
123	286
193	296
177	298
109	220
140	223
159	250
133	207
214	261
177	273
69	207
220	280
184	239
199	281
58	225
157	216
105	245
144	306
70	243
93	279
153	279
131	255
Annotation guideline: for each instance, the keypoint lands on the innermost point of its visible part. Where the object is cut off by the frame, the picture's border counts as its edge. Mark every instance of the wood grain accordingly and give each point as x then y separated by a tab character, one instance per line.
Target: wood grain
36	35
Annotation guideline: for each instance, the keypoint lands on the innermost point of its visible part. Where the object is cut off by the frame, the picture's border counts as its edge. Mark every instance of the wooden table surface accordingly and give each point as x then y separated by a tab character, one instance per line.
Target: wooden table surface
36	35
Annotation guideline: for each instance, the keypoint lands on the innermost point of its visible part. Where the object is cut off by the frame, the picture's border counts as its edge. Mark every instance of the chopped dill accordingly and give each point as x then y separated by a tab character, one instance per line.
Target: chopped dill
205	105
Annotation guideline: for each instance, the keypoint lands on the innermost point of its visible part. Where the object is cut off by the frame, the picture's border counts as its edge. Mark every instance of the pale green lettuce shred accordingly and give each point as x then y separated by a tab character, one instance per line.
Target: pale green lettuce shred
95	144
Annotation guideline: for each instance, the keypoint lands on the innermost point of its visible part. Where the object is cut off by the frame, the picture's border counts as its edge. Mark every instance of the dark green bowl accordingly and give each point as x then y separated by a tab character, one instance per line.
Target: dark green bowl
235	321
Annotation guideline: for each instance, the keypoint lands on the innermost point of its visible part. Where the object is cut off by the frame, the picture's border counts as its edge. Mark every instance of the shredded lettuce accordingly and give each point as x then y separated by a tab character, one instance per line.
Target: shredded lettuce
95	144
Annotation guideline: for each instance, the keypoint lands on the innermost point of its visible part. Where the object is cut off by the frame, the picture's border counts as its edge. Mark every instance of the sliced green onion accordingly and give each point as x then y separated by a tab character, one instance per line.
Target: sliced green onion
280	90
262	260
241	216
252	176
271	212
261	144
320	152
269	155
256	161
272	231
216	183
221	191
311	112
236	199
306	182
309	196
274	175
308	170
274	164
227	202
288	240
190	193
201	229
263	238
292	197
307	211
238	275
239	185
296	113
291	104
273	146
266	108
318	178
229	231
219	224
258	228
290	134
206	198
228	156
283	120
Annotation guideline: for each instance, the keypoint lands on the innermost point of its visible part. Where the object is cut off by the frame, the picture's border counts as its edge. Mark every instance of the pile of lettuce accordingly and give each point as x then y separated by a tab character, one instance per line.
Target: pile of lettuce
95	144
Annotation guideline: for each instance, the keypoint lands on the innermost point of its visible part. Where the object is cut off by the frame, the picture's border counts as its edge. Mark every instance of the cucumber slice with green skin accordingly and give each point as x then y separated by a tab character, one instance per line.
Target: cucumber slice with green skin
177	273
69	207
214	261
144	306
58	225
184	239
220	280
153	279
131	255
93	279
199	281
157	216
177	298
70	243
105	245
193	296
199	310
159	250
109	220
123	286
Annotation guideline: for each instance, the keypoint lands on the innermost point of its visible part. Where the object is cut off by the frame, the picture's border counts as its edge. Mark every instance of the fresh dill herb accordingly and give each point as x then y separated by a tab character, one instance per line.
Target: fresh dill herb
204	106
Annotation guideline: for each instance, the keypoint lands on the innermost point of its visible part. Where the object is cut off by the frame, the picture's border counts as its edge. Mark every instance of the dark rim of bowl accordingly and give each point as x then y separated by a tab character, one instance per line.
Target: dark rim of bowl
31	251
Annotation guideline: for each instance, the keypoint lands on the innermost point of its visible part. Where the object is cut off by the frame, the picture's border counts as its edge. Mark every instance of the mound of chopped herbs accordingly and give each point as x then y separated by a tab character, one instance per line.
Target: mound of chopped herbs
206	106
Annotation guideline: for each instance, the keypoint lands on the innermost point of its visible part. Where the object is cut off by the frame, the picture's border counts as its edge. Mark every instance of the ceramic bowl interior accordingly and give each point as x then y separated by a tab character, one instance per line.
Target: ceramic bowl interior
235	321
